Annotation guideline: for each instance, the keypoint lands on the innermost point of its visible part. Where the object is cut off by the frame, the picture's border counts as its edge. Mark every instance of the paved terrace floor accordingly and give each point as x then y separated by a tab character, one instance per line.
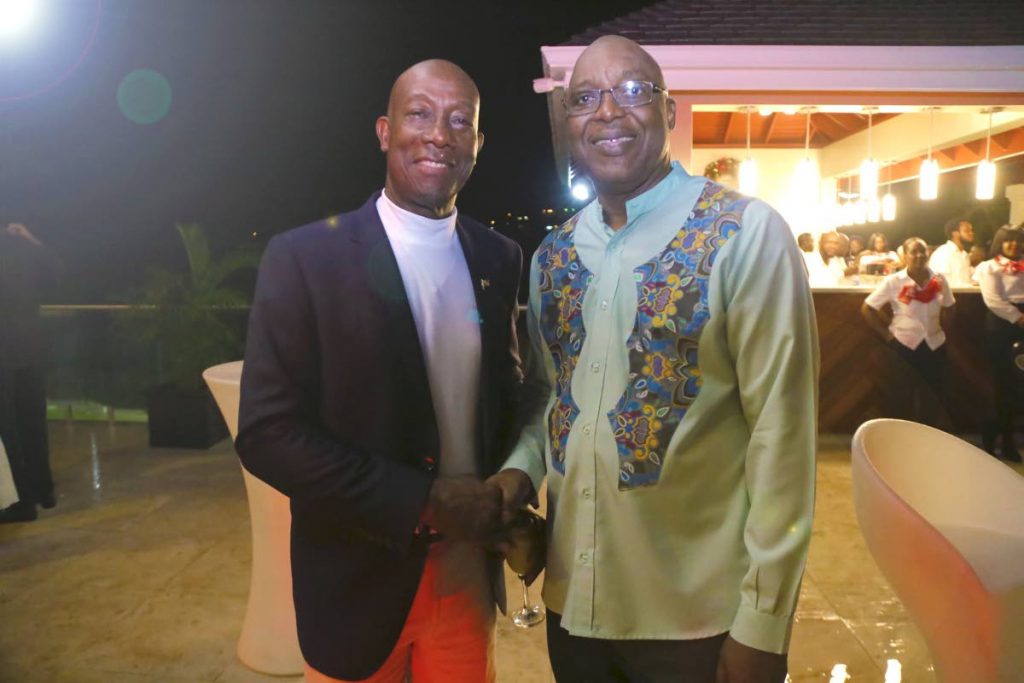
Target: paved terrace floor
141	574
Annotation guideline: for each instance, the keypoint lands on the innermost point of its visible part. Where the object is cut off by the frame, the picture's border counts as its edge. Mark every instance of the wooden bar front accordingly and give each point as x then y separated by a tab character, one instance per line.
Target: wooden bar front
857	369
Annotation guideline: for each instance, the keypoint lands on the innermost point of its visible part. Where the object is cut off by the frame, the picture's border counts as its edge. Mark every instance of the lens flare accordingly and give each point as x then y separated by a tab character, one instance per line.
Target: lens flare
15	16
144	96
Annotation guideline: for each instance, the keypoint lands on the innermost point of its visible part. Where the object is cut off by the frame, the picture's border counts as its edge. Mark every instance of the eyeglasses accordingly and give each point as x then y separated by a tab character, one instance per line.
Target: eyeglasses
628	94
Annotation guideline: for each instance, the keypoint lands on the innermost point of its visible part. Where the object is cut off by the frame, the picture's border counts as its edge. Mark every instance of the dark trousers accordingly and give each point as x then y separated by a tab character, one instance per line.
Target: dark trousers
1007	379
595	660
23	430
928	405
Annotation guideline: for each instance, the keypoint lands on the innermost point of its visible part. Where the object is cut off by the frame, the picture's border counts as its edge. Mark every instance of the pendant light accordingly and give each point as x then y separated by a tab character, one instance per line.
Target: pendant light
847	210
748	167
869	167
807	176
874	209
986	186
929	174
889	200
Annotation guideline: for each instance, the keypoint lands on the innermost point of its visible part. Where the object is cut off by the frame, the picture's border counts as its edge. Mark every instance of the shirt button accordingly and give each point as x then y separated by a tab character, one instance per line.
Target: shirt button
584	558
586	493
587	429
595	367
604	305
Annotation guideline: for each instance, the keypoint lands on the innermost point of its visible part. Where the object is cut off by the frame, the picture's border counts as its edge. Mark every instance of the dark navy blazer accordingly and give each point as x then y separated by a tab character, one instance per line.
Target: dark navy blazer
336	414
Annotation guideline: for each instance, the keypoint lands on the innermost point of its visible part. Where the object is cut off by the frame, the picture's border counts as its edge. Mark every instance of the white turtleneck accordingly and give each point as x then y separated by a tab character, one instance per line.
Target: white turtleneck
440	292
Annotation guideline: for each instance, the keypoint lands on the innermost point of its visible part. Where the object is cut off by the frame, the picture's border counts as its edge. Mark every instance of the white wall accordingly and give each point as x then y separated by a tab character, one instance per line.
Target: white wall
775	169
906	136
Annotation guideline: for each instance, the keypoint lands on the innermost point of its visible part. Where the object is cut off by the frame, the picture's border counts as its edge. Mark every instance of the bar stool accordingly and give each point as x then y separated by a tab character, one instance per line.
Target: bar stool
269	642
945	523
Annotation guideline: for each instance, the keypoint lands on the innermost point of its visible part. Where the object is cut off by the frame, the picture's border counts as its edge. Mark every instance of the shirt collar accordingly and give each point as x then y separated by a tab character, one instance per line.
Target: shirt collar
413	228
643	203
904	277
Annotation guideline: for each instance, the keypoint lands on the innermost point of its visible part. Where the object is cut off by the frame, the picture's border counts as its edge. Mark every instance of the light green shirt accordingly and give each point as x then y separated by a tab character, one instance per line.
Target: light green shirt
714	536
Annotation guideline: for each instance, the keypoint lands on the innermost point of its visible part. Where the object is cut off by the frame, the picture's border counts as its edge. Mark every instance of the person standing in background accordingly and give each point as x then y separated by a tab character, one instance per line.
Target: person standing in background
920	301
877	259
27	271
827	267
855	247
952	258
1002	287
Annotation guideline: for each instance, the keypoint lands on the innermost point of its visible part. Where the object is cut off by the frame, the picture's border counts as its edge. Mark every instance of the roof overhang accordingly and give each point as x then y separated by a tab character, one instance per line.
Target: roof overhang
833	74
987	69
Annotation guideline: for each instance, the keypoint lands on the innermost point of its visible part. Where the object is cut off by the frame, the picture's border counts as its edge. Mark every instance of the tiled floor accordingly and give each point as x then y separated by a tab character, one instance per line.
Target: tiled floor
141	574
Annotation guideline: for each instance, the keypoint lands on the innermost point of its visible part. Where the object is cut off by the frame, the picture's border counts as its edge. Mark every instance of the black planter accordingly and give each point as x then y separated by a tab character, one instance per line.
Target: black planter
183	418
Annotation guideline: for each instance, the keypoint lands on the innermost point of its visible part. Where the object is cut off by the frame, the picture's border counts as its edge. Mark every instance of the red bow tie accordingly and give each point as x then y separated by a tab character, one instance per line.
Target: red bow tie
1011	266
927	293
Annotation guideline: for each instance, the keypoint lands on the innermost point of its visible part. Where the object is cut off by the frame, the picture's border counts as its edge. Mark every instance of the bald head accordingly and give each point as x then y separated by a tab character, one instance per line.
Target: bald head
430	137
431	70
608	50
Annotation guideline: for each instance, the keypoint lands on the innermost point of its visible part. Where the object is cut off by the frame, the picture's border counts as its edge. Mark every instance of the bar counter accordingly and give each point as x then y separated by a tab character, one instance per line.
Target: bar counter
857	369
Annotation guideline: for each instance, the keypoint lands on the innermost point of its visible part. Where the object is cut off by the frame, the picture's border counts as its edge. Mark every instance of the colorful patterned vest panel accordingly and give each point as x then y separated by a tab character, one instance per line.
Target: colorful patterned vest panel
672	309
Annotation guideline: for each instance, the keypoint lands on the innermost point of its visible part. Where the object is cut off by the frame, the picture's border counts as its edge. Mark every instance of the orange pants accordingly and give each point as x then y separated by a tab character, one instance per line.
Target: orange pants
446	638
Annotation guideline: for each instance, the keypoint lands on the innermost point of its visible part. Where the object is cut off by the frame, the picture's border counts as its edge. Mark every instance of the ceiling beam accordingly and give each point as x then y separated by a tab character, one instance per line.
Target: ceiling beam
832	118
735	129
768	129
828	127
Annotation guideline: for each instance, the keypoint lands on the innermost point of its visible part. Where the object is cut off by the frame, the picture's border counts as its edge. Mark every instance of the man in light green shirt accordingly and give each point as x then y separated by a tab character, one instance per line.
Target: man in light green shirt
671	402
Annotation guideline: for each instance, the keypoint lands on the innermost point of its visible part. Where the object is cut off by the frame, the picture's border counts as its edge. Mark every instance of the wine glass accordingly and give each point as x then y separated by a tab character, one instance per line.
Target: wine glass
526	538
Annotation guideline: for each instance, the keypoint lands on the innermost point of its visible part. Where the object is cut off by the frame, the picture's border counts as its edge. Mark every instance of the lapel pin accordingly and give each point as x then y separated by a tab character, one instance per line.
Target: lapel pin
484	284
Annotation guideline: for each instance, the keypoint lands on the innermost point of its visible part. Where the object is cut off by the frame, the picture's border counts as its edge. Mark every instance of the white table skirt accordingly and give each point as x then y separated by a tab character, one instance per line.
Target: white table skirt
8	494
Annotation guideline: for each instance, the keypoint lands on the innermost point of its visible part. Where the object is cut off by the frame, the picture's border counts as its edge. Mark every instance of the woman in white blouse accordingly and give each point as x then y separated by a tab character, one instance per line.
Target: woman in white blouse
877	259
919	300
1002	287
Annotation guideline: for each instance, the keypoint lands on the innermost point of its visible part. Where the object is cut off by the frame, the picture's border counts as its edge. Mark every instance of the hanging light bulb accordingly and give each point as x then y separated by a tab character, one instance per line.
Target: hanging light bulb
807	178
847	210
929	174
869	167
889	199
748	167
874	209
860	211
986	186
889	207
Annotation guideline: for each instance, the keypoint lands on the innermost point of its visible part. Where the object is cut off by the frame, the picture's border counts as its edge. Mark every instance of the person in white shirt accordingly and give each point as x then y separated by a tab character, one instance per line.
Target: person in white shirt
877	259
827	267
1002	287
811	257
952	259
919	299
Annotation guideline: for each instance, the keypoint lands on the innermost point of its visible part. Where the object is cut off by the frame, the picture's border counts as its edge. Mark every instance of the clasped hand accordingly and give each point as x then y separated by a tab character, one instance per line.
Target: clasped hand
483	512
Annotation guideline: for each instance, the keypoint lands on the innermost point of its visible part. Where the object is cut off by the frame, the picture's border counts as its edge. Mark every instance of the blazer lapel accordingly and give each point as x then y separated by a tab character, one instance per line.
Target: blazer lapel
485	290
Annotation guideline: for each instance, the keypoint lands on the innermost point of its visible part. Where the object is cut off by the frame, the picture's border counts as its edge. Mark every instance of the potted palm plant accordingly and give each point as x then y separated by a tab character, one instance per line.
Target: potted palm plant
187	318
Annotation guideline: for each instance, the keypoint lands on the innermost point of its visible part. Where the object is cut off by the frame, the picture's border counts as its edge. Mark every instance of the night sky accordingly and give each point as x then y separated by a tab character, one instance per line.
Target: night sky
270	119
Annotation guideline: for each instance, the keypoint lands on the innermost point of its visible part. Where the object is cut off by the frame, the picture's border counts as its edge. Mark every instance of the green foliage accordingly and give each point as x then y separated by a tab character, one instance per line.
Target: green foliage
185	315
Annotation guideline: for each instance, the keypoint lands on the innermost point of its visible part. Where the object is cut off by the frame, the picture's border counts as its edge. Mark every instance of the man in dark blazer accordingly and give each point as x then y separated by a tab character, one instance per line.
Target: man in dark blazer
378	392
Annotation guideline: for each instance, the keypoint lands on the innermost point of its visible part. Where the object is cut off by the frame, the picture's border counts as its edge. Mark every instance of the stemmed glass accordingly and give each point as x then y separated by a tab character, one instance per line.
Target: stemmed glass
526	549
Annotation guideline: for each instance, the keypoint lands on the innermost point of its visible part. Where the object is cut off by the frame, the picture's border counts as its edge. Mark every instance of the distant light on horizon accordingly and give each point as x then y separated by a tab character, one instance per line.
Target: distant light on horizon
16	15
581	190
